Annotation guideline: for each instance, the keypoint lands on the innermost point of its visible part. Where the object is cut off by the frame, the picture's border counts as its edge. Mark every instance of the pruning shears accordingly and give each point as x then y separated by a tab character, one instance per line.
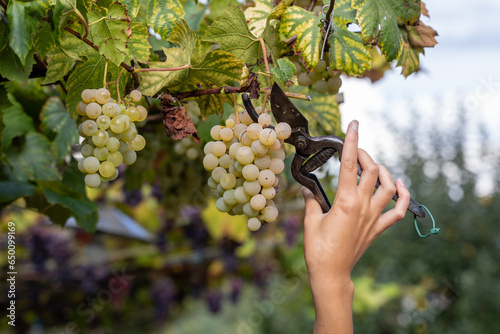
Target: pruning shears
311	152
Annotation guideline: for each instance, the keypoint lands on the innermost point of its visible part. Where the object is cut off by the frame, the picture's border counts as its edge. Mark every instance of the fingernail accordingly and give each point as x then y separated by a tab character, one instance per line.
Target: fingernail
401	182
306	192
354	125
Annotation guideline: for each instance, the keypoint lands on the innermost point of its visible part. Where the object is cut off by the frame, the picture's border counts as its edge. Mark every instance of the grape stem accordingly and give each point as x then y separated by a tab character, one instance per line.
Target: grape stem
236	109
264	52
118	86
105	74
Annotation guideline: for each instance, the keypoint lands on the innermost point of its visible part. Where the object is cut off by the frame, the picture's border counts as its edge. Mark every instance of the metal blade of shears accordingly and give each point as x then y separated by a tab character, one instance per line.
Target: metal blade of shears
285	111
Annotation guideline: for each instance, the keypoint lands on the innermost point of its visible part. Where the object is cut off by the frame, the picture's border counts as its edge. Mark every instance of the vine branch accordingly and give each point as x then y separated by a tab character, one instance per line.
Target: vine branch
330	10
311	5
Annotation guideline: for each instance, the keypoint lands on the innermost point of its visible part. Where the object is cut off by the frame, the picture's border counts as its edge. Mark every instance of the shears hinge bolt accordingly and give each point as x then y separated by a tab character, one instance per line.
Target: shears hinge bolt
300	143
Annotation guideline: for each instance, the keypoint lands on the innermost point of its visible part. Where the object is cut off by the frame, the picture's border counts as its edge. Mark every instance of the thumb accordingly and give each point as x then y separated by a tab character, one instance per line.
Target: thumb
312	208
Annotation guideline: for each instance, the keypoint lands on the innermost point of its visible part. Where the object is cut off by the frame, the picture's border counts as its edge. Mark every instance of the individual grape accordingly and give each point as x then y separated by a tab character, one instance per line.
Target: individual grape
106	169
210	162
254	224
230	142
262	162
218	149
135	95
91	164
233	148
247	209
245	118
218	173
244	155
124	147
220	190
258	202
92	180
111	109
191	153
80	132
179	148
250	172
229	197
226	134
254	130
88	95
80	165
186	142
238	129
129	157
252	187
207	149
265	120
89	128
93	110
258	148
276	182
114	176
283	130
268	192
321	86
133	113
215	132
87	150
101	153
139	143
241	195
304	80
116	158
330	71
270	202
266	178
240	181
222	206
334	85
103	122
277	165
315	75
80	108
238	166
225	161
267	137
129	134
143	113
270	214
238	209
102	95
230	123
245	139
100	138
228	181
298	68
234	171
120	123
280	154
211	183
321	67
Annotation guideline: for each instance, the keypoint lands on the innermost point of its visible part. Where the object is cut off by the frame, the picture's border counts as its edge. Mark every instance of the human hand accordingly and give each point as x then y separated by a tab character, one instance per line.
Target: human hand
335	241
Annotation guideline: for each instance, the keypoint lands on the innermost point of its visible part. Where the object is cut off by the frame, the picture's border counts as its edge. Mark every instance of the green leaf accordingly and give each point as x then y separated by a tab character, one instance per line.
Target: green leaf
133	7
34	161
163	16
109	32
11	67
409	60
347	51
257	16
285	71
11	190
89	75
84	211
138	45
17	122
305	25
55	118
44	40
62	10
231	32
20	32
4	34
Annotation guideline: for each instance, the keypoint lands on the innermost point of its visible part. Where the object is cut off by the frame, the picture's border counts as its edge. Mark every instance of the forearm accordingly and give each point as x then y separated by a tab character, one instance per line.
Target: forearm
333	305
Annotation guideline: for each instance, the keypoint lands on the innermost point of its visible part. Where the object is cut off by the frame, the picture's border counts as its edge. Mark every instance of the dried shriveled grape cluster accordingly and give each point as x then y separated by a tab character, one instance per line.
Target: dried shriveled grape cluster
245	159
110	134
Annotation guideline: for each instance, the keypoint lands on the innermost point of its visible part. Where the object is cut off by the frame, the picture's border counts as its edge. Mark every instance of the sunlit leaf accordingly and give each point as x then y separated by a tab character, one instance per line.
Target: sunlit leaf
285	71
257	16
163	16
138	45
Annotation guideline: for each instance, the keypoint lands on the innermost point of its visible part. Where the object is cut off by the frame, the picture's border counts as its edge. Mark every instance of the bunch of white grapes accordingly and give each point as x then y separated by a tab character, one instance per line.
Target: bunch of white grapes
110	135
245	159
187	145
322	78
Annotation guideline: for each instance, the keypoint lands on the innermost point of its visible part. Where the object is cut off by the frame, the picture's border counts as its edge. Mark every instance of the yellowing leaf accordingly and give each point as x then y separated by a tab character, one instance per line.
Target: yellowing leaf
138	45
163	16
257	16
409	60
306	26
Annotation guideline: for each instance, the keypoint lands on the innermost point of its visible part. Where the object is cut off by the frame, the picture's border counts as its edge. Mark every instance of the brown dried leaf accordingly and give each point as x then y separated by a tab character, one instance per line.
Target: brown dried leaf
254	86
177	122
424	10
422	35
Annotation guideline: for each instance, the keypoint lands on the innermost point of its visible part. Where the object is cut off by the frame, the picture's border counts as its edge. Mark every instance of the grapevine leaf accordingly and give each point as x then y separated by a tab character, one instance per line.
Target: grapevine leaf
83	210
163	16
231	32
177	123
279	10
55	118
257	16
422	35
305	25
11	190
409	60
17	122
62	10
213	104
4	34
89	75
20	32
34	161
133	7
285	71
347	51
424	10
11	67
44	40
109	32
138	45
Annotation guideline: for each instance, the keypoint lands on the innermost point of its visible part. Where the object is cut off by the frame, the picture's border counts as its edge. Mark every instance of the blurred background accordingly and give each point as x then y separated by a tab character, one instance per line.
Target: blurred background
165	261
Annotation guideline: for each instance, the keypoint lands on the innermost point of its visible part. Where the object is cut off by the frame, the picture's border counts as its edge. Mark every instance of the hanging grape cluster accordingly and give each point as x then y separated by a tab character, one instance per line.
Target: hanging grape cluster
110	134
323	79
245	159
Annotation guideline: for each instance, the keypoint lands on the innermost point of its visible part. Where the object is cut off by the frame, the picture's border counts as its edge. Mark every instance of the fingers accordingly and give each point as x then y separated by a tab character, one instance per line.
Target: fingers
391	217
313	211
369	176
348	179
385	191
